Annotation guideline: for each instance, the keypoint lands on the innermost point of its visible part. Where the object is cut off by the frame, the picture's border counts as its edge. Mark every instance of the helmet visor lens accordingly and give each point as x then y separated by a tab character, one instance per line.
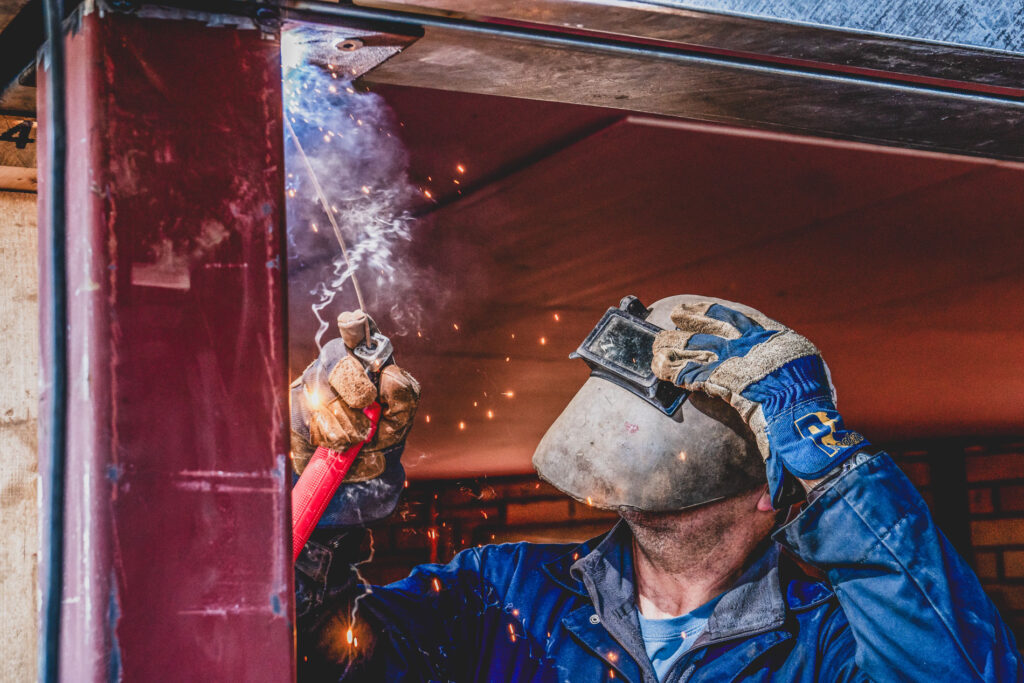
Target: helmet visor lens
620	349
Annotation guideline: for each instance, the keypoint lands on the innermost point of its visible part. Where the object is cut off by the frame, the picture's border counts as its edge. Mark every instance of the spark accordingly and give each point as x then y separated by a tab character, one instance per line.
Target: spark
348	635
490	414
484	514
454	180
508	359
365	189
455	326
475	404
426	193
508	394
513	335
462	425
291	193
350	91
419	333
543	341
590	501
515	613
612	657
460	168
682	456
327	138
557	318
575	556
313	225
332	89
406	483
437	584
359	122
313	397
428	419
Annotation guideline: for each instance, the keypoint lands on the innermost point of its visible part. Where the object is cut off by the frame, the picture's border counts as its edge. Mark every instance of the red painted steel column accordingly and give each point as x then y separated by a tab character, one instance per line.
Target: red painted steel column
177	560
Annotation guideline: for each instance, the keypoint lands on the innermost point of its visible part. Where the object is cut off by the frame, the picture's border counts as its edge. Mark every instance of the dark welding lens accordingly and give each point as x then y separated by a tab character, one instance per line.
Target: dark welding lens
620	349
626	346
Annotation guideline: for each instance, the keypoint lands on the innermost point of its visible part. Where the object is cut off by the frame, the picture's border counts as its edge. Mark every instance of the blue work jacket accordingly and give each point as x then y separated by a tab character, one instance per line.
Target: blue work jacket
897	604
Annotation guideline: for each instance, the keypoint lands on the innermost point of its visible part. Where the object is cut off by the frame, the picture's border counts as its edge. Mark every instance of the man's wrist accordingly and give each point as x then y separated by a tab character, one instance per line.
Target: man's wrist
809	484
816	487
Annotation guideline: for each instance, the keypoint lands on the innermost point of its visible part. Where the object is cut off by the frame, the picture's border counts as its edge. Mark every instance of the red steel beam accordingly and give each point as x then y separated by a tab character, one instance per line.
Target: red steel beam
177	561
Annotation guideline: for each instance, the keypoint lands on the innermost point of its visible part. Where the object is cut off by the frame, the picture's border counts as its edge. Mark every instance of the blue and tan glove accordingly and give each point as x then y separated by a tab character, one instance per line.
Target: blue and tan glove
773	376
326	410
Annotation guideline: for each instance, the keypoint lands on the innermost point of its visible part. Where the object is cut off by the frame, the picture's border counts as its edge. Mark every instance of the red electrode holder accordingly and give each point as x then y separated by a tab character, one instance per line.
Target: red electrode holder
320	481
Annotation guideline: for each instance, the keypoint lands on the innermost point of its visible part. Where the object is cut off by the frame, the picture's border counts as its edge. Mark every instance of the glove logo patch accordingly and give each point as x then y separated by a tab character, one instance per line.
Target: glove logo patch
822	428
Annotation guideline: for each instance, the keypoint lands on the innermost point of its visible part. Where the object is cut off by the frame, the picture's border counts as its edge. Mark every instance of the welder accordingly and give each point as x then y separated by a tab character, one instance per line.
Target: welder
760	538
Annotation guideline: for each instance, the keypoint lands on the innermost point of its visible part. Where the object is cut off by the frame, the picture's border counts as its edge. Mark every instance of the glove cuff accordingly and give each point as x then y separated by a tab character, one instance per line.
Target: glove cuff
810	438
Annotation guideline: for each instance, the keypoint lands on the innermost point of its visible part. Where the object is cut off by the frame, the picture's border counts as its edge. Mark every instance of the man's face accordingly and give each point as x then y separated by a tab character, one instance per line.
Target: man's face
745	518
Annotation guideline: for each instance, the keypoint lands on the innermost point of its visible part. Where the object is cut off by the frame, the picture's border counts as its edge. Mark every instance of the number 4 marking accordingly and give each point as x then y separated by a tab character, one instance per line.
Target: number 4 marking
19	134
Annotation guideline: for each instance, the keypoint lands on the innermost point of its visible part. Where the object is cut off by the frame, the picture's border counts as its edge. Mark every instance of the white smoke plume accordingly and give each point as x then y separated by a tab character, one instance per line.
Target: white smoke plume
351	139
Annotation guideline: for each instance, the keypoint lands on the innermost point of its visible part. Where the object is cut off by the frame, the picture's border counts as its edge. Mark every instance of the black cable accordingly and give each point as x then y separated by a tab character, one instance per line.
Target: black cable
56	143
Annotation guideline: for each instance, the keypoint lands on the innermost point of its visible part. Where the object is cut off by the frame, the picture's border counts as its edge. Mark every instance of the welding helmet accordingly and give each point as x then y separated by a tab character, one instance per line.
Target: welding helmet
630	440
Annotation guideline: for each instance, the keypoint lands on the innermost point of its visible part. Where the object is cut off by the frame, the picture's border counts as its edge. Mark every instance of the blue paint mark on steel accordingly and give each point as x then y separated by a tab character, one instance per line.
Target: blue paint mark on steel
273	263
275	604
114	672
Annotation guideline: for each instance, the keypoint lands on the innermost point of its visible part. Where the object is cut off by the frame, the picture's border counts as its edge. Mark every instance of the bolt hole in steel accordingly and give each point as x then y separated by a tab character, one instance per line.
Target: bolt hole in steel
350	45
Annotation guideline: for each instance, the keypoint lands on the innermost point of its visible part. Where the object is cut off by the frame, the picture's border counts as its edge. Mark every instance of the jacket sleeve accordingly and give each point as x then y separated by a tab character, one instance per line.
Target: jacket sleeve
916	610
419	628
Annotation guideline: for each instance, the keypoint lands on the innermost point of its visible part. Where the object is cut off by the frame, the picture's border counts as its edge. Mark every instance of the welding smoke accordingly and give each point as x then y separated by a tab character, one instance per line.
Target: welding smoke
351	139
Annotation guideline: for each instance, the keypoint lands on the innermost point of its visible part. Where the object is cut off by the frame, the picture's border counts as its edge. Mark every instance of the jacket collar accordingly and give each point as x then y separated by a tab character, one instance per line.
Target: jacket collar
606	573
602	569
753	605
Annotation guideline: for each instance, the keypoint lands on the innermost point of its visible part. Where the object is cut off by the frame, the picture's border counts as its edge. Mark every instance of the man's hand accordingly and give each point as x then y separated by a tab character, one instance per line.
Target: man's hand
774	377
328	401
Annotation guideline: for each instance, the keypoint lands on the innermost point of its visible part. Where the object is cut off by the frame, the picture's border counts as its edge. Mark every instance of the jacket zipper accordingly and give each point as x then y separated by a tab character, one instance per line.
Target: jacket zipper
685	676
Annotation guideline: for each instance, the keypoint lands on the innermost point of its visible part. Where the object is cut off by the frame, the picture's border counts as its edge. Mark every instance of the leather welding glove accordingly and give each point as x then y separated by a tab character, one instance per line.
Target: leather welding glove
774	377
327	404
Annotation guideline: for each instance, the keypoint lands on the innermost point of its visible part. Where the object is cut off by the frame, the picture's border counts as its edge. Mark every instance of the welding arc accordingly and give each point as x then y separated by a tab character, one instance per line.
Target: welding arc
334	224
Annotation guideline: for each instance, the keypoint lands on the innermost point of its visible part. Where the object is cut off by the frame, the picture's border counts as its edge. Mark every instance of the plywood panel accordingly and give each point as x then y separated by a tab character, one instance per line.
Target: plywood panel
19	366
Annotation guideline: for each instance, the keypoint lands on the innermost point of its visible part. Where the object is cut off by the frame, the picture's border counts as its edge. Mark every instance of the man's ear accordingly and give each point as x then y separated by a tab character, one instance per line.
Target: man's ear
764	503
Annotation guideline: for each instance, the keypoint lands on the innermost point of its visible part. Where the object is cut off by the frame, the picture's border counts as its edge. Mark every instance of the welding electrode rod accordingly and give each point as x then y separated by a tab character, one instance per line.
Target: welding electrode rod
334	224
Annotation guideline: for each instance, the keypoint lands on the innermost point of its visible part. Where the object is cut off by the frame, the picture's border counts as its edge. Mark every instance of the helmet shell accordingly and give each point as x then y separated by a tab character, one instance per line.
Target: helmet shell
611	449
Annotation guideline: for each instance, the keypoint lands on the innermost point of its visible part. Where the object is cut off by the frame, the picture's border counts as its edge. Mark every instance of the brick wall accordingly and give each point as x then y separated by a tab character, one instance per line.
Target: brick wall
995	501
974	488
